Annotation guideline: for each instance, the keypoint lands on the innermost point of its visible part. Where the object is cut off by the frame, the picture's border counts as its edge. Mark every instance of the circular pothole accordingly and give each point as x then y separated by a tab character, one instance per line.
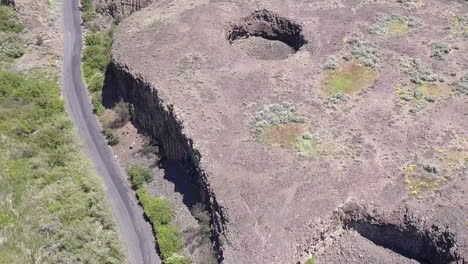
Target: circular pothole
266	35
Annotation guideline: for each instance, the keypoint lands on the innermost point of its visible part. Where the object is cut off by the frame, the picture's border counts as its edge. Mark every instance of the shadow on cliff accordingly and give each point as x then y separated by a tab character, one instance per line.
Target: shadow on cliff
184	182
175	171
110	94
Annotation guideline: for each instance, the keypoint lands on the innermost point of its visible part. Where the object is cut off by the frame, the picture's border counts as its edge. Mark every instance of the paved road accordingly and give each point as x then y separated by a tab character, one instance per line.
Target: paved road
135	231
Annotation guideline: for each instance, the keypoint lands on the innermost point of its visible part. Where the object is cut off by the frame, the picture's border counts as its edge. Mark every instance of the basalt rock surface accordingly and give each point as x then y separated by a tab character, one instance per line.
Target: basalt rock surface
193	87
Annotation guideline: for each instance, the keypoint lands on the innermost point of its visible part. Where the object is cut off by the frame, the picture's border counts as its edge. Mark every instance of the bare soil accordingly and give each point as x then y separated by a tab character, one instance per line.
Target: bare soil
215	64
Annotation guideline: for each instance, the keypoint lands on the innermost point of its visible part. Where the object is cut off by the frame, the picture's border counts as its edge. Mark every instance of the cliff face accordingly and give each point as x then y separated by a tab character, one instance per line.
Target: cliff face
121	8
158	121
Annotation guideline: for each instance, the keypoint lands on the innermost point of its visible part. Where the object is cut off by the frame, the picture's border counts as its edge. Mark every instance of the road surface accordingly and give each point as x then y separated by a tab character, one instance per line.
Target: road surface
136	232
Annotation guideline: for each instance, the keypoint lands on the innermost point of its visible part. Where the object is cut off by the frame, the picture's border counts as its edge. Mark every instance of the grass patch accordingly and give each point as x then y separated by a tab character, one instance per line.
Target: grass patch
168	237
138	175
351	78
52	204
283	135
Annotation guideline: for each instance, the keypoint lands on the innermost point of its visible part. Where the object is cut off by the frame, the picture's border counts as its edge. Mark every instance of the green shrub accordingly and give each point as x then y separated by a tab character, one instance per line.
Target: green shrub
440	50
138	175
275	114
168	237
365	53
8	21
112	137
169	240
89	13
331	63
158	210
96	100
417	72
462	86
96	58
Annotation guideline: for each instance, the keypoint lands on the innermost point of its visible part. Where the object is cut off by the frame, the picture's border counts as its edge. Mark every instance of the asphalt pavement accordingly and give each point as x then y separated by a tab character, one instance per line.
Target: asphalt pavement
135	231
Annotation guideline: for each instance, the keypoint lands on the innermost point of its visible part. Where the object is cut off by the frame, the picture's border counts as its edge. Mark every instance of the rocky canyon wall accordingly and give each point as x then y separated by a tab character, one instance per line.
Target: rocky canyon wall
156	119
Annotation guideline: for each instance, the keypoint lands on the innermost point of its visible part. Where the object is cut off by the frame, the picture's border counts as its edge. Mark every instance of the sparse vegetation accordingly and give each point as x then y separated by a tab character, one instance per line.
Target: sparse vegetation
420	96
440	50
11	41
417	72
8	20
51	203
138	175
338	98
168	237
331	63
275	115
365	53
462	86
392	25
459	25
306	144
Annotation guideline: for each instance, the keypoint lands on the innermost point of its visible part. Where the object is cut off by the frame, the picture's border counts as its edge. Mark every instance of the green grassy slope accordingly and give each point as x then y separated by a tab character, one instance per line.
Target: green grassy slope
52	206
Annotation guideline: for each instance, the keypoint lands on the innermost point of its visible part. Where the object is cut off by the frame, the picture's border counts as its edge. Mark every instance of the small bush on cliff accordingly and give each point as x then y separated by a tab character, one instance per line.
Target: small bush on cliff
138	175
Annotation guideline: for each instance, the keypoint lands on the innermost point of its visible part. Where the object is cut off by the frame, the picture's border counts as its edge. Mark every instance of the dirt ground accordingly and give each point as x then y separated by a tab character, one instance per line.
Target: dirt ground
42	36
384	125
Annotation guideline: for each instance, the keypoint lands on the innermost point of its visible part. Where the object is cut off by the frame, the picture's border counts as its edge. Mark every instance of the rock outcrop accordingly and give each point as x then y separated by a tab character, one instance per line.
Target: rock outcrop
121	8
